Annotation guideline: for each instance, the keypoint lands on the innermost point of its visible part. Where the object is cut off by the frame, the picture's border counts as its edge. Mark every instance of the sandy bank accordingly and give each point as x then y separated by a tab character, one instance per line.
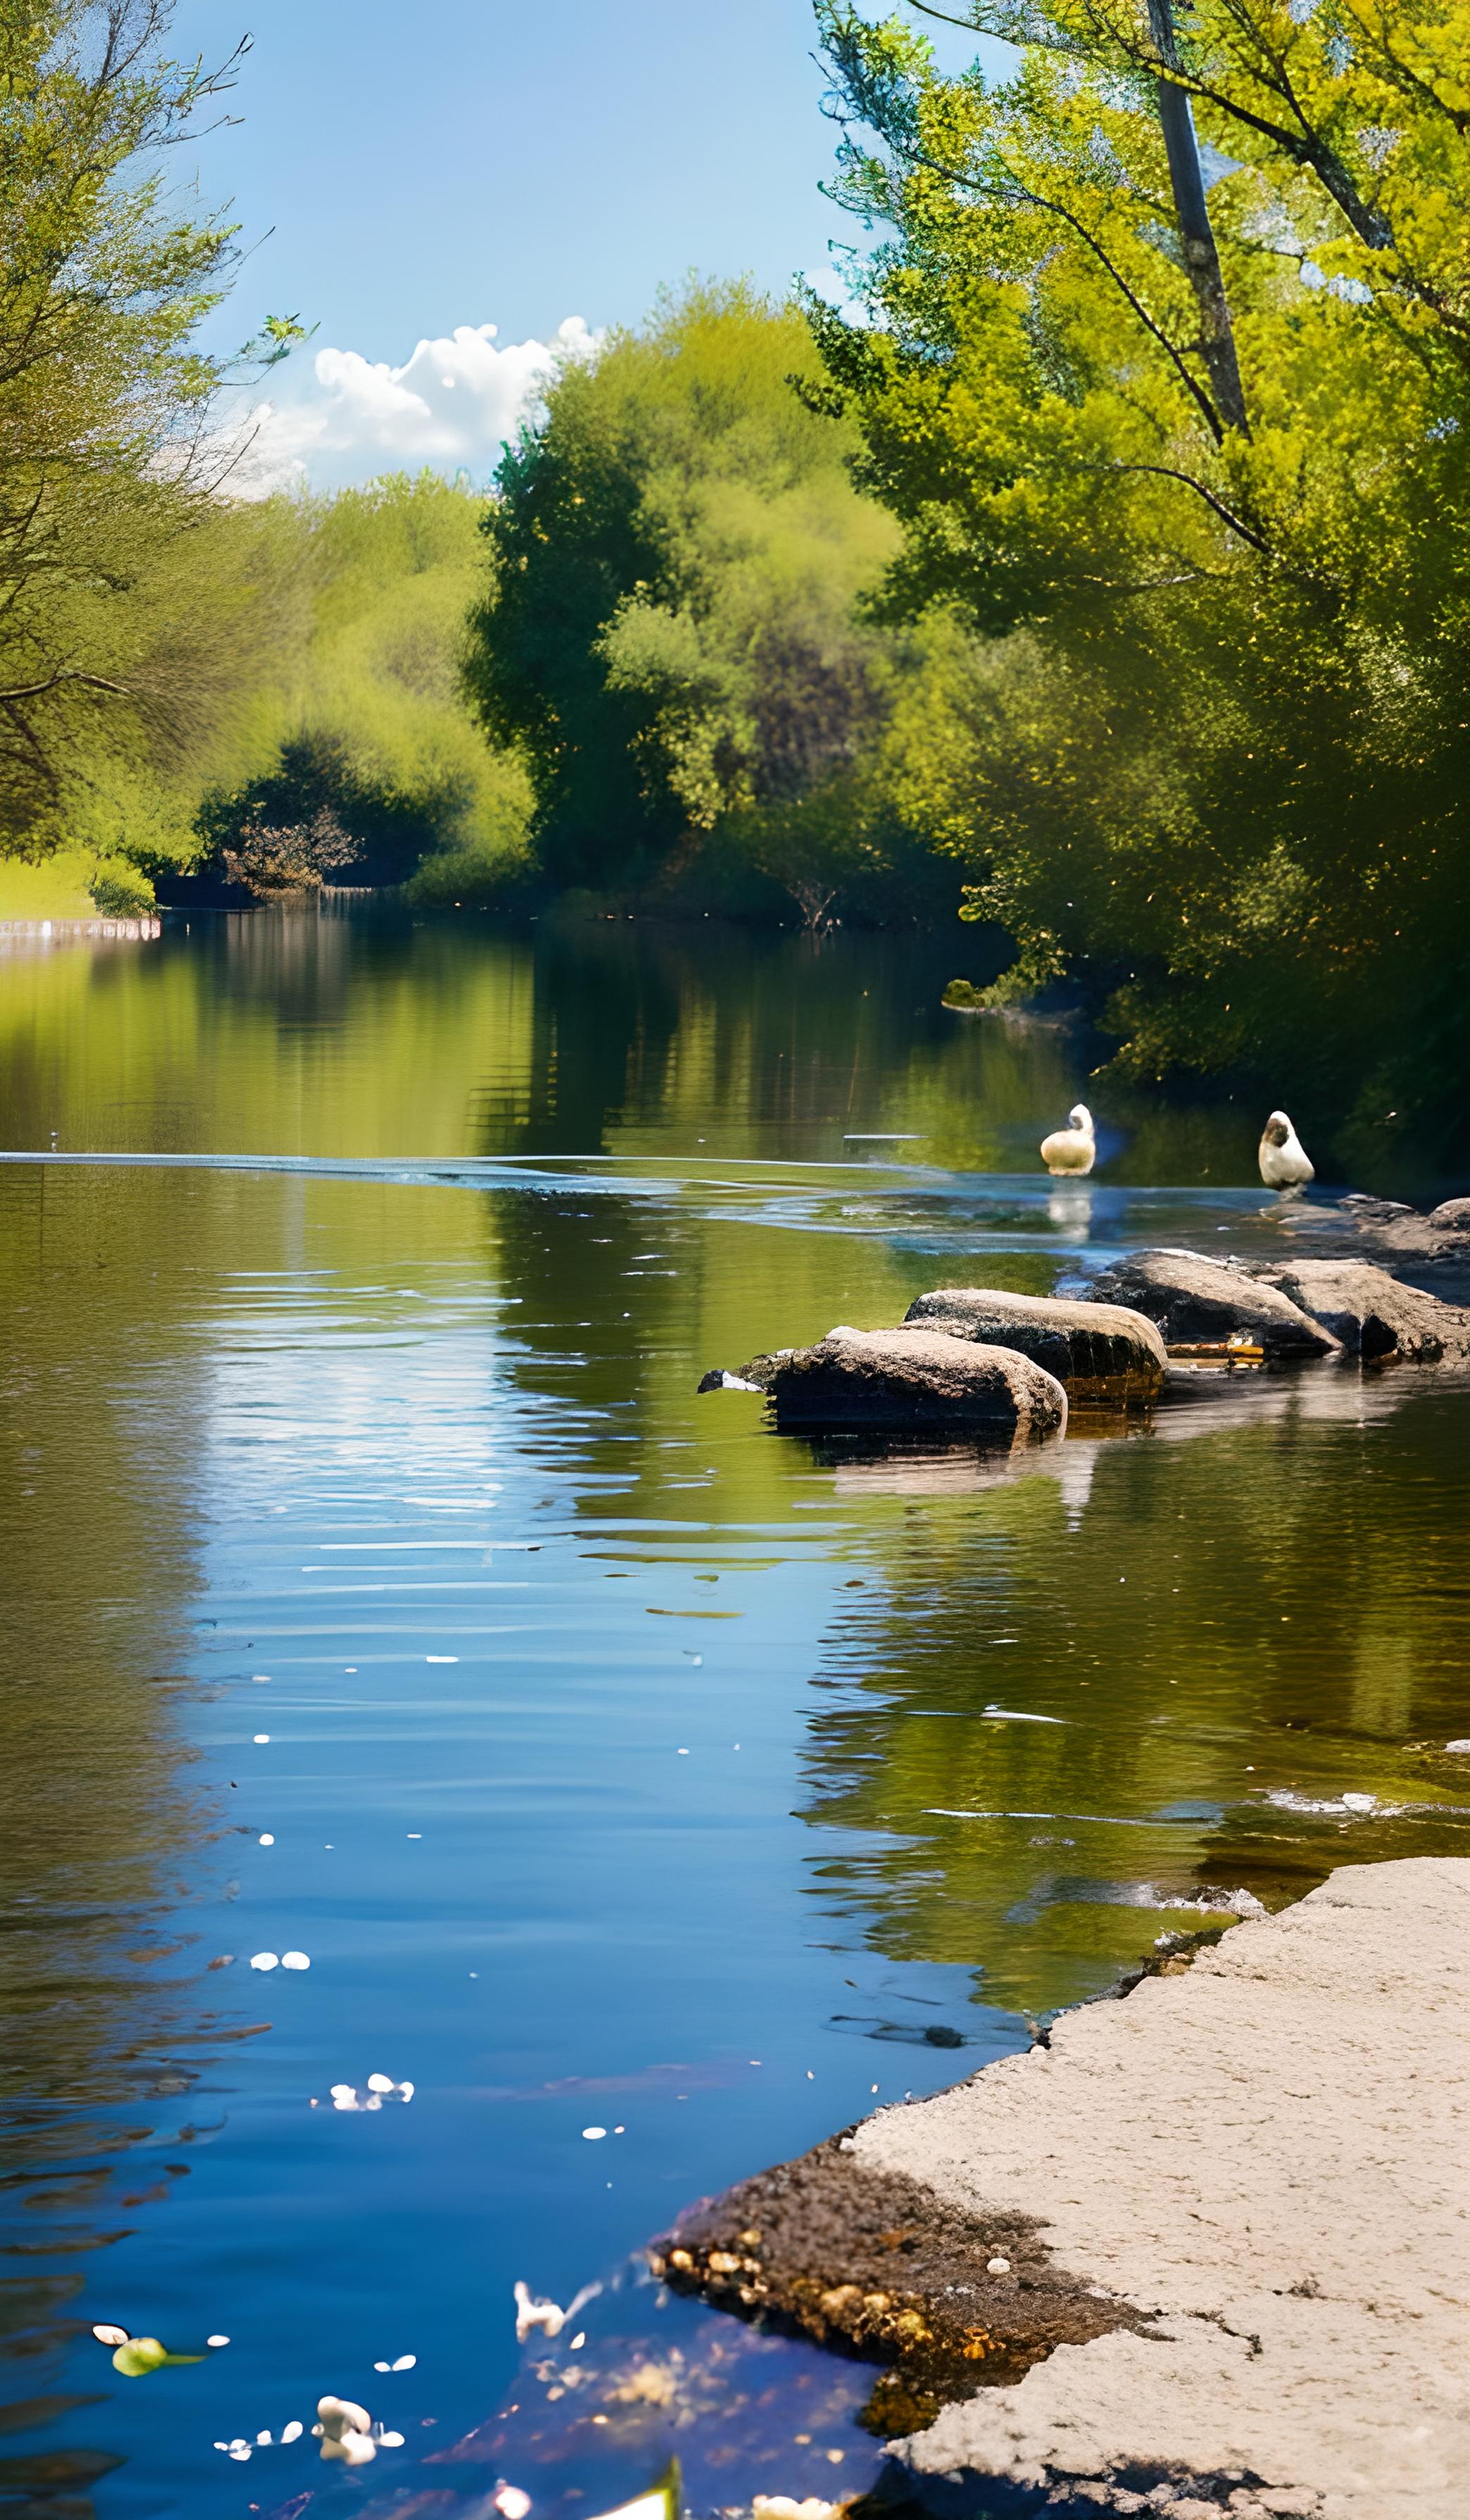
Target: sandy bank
1251	2182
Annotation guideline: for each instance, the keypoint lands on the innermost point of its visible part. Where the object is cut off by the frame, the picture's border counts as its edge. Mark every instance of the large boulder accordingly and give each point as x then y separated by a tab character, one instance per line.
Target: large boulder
910	1377
1199	1302
1100	1351
1370	1312
1451	1216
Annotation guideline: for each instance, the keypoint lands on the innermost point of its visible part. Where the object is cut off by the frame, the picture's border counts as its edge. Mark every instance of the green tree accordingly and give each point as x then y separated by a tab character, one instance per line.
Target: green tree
1211	760
359	713
672	635
117	630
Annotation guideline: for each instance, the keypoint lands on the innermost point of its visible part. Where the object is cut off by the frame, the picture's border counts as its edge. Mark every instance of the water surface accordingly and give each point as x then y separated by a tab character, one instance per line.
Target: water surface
623	1765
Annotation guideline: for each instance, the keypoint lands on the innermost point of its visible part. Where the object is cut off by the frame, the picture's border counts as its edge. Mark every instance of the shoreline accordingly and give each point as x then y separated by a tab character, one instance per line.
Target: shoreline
137	927
1223	2231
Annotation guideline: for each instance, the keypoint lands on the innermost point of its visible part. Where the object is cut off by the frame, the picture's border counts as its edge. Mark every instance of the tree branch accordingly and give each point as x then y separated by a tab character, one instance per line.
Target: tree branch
1058	210
53	682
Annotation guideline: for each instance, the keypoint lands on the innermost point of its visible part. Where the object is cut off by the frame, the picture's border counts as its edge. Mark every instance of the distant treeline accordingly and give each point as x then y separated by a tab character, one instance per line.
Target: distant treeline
1102	574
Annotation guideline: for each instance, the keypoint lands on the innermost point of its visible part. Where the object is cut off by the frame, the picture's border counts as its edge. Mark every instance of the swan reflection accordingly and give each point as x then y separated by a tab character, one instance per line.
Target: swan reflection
1070	1211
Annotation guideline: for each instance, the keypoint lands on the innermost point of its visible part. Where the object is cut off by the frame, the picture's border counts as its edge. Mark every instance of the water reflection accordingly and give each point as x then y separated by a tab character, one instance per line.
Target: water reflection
551	1647
355	1034
1071	1212
1228	1620
106	2043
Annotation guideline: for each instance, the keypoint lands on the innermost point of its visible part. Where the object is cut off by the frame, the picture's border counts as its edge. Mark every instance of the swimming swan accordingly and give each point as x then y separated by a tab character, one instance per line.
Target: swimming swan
1073	1150
1284	1161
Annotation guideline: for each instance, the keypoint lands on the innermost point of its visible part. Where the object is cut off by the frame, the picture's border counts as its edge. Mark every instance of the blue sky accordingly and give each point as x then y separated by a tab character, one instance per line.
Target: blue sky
401	173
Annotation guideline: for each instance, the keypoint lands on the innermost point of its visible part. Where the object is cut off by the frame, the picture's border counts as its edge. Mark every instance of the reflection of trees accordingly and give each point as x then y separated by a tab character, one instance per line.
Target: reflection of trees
1285	1596
278	1030
773	1044
331	1034
106	1405
103	2032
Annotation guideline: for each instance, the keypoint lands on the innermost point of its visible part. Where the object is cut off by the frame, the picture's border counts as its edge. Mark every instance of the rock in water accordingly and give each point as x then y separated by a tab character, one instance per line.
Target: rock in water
914	1378
1370	1312
1100	1351
1192	1298
1451	1216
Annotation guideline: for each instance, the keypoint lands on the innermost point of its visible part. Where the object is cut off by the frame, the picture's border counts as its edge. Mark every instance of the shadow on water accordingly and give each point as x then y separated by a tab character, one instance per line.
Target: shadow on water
654	1793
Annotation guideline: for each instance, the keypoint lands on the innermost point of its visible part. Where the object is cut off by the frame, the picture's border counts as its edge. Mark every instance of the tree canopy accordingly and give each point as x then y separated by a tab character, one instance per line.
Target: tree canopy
121	617
674	632
359	715
1214	755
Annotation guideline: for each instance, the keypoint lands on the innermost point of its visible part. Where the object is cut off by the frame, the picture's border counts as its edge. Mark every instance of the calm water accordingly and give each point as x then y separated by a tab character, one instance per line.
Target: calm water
377	1589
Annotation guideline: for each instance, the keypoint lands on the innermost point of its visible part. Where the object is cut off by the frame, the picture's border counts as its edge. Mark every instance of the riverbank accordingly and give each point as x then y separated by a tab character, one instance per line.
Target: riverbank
1221	2221
23	933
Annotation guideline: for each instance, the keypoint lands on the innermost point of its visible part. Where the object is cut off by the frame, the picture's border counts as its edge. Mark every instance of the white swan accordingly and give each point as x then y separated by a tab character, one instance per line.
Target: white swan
1073	1150
1284	1161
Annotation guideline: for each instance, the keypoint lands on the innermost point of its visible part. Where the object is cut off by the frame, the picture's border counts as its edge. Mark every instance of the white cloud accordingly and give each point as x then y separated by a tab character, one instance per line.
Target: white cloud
452	405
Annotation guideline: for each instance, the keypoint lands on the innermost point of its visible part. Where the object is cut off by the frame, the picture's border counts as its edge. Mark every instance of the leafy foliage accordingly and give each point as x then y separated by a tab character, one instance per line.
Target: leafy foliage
116	630
670	634
1212	760
361	714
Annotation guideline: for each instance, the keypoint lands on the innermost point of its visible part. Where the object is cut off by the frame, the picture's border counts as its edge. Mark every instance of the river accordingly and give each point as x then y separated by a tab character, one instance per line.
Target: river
649	1792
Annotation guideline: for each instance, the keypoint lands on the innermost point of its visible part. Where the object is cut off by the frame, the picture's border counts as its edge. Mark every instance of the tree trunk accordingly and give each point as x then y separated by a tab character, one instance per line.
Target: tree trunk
1196	235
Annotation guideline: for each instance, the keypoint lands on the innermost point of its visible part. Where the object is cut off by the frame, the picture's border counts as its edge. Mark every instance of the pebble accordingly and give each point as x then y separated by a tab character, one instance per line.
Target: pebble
997	2265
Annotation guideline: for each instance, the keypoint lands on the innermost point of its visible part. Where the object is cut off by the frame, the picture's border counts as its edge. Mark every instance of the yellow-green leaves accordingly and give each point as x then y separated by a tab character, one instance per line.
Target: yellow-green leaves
104	397
1209	765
